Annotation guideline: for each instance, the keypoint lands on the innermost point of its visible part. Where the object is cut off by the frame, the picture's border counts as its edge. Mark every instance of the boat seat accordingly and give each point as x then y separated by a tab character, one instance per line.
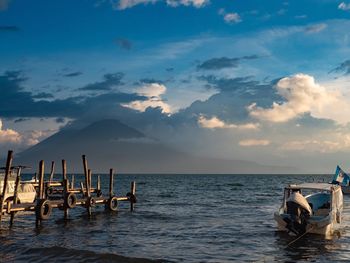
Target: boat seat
321	212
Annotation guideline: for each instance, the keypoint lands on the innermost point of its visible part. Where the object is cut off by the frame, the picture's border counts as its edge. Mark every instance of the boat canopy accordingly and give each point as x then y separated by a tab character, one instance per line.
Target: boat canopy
313	186
299	199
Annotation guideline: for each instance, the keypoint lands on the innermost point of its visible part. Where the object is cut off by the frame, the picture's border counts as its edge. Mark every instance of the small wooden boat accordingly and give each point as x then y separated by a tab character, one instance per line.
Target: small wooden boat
310	207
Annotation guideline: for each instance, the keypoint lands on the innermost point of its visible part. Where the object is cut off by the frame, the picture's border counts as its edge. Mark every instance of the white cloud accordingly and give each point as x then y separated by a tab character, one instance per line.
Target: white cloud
33	137
327	144
124	4
11	139
253	142
315	28
344	6
302	95
18	141
230	18
195	3
9	136
153	92
215	123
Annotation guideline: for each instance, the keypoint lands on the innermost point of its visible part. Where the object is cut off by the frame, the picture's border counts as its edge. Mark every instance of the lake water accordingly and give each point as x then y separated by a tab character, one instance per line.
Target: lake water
178	218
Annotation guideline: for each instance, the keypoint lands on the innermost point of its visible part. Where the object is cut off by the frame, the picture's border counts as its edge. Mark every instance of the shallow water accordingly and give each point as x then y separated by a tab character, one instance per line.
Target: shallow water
178	218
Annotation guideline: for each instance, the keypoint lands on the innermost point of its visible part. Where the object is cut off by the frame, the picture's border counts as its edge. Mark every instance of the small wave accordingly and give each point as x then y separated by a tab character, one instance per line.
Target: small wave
60	254
234	184
164	195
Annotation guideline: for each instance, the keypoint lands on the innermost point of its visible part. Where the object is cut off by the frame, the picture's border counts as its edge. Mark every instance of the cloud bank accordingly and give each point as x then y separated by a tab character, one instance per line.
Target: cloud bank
153	92
124	4
253	142
215	123
303	95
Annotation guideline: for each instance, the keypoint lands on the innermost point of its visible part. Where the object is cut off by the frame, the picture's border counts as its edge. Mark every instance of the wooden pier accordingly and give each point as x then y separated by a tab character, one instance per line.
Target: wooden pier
61	194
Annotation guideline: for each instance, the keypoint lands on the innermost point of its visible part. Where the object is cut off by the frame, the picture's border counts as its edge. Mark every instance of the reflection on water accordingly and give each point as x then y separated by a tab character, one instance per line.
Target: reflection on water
309	248
179	218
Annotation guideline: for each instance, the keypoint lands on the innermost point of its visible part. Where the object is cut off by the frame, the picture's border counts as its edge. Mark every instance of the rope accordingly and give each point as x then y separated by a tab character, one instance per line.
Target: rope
299	237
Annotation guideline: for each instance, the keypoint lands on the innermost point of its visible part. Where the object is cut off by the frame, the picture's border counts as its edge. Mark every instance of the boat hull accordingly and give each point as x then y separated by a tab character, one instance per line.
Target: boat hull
320	226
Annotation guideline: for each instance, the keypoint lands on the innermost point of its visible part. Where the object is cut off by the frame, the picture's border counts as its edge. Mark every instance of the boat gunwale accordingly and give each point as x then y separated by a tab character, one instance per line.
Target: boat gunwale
314	186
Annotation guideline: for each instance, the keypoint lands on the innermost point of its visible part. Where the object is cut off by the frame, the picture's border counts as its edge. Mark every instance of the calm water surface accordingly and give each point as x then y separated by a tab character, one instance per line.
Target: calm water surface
178	218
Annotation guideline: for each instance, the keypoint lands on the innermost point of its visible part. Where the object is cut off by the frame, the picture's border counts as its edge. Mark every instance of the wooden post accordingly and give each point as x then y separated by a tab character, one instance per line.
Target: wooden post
7	173
35	177
85	172
72	182
111	182
133	191
82	188
88	189
65	193
88	186
52	170
41	179
64	170
15	194
98	184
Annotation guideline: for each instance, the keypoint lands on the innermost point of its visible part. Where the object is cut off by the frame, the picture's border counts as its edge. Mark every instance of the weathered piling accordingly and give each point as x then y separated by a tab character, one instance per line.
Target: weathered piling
132	196
111	182
7	173
64	170
41	179
66	197
15	195
98	186
85	172
72	182
52	170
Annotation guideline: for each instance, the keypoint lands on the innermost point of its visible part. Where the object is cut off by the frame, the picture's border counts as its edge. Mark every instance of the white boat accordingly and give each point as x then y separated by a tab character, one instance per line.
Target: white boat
26	190
310	207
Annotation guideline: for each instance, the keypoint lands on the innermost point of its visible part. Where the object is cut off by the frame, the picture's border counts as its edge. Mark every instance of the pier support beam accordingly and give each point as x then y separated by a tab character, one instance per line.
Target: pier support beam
7	174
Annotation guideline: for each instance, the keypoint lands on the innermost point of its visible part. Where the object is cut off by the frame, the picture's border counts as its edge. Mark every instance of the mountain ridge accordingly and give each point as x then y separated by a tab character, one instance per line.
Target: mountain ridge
109	143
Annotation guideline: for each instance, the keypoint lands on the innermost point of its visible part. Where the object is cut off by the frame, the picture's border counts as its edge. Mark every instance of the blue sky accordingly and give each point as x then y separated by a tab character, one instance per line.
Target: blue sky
262	80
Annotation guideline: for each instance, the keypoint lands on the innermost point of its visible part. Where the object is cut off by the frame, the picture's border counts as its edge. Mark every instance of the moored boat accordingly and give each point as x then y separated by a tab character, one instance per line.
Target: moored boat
310	207
26	190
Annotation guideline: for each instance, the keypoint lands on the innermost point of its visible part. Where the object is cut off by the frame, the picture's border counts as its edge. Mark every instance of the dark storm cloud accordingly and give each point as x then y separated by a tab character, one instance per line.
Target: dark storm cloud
60	120
109	80
15	102
123	43
73	74
9	29
4	4
223	62
42	95
231	101
230	84
20	120
219	63
150	81
343	68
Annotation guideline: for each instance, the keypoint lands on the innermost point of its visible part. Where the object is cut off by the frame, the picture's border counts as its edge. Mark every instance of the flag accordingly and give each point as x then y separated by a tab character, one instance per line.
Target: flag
340	177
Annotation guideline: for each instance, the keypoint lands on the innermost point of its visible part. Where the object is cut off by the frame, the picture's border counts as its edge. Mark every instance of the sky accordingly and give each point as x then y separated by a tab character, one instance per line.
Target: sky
266	81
